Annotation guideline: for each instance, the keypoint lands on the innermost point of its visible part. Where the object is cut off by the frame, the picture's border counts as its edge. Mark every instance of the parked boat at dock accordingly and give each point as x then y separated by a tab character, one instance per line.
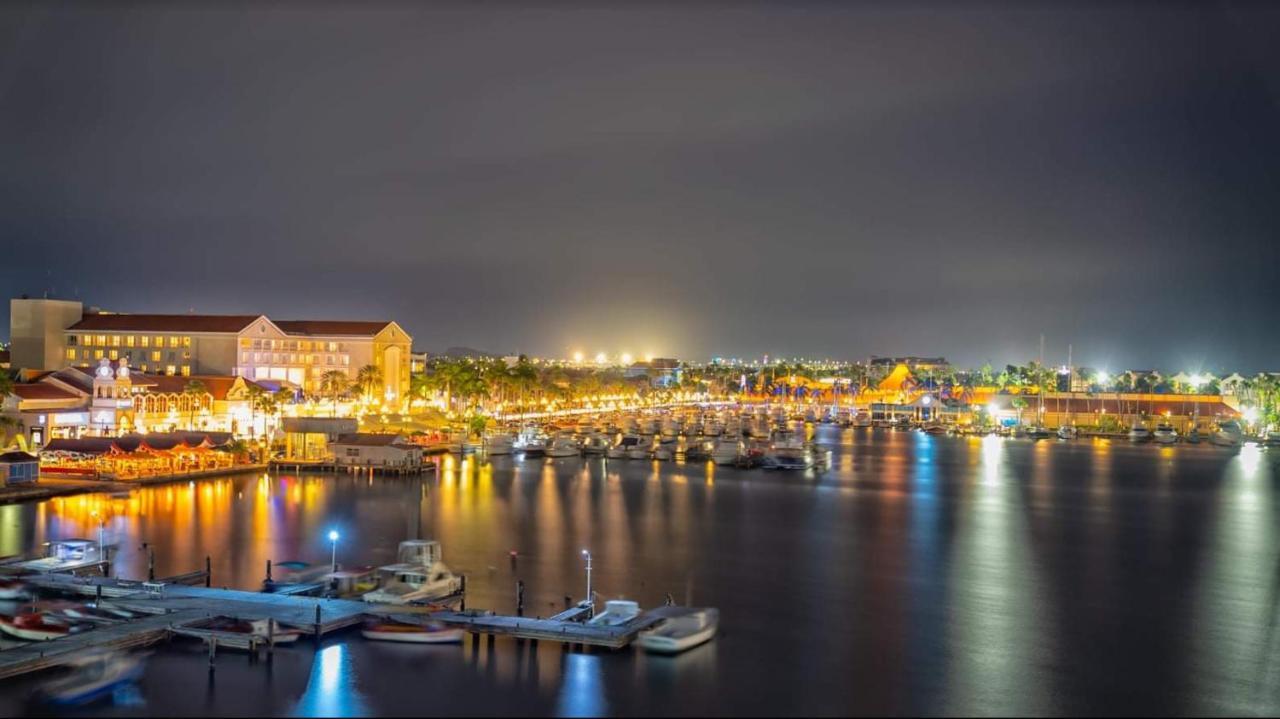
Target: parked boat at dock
1165	434
1139	433
1228	434
563	445
94	676
430	633
682	628
1068	431
531	442
37	627
419	575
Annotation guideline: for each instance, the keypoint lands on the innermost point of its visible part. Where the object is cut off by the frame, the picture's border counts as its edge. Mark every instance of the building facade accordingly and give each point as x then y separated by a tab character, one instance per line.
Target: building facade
53	334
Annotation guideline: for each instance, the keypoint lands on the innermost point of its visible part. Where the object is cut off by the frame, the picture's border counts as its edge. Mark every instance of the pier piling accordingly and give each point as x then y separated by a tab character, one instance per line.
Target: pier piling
151	565
208	571
520	598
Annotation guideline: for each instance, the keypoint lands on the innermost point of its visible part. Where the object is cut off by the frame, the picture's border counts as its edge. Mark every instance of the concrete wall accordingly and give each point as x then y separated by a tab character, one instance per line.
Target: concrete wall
36	331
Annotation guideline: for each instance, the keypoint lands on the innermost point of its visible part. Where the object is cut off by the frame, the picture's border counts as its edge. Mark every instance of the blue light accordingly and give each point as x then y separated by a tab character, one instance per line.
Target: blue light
333	535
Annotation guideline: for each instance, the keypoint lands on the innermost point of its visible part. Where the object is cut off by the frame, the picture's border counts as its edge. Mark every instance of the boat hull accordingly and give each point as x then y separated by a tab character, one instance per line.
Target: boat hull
659	644
444	636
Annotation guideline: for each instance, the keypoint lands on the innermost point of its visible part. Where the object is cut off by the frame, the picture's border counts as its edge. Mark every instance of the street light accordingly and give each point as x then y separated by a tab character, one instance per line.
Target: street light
587	554
102	523
333	541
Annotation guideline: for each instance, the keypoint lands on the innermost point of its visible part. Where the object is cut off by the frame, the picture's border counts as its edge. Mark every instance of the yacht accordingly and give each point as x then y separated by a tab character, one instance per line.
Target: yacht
419	575
563	445
596	444
1139	433
699	451
1228	434
64	555
640	450
787	451
616	612
622	449
94	675
713	428
649	425
862	419
500	443
727	451
681	628
666	449
531	442
1165	434
933	429
671	426
1068	431
1037	432
1193	436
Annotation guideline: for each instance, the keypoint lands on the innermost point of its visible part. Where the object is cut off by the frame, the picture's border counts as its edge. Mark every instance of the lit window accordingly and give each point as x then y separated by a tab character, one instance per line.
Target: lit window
333	346
102	340
86	339
155	356
346	359
97	354
71	354
144	341
159	341
186	370
114	354
245	343
244	358
173	341
171	370
186	341
115	340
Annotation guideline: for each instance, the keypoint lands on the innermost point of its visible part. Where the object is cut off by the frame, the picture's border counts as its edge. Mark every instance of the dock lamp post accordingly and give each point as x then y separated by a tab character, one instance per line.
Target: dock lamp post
333	541
587	554
102	524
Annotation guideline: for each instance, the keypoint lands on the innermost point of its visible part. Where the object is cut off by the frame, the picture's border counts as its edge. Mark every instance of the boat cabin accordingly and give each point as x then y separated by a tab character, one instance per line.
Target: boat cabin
422	552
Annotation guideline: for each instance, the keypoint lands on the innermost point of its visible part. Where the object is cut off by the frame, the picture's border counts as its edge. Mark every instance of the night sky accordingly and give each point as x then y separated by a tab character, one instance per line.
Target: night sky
689	179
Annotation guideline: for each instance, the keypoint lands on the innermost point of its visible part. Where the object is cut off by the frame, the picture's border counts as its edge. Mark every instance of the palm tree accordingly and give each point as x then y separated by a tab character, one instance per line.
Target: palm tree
368	378
256	395
334	384
195	391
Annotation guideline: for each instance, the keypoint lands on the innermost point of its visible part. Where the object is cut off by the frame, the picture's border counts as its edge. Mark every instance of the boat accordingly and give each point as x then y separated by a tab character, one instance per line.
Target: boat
37	627
1068	431
261	628
562	445
1139	433
640	450
12	588
665	451
596	443
531	442
681	629
94	676
649	425
862	419
616	612
727	451
934	429
787	451
419	575
64	555
622	449
1165	434
1037	432
699	451
1227	434
1193	436
350	582
294	572
500	443
429	633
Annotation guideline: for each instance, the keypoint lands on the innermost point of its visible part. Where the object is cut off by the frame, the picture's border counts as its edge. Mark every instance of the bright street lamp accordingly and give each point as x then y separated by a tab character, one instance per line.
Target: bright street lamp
333	541
587	554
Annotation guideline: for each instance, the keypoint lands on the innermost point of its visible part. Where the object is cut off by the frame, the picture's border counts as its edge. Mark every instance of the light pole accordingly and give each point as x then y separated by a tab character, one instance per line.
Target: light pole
102	523
587	554
333	541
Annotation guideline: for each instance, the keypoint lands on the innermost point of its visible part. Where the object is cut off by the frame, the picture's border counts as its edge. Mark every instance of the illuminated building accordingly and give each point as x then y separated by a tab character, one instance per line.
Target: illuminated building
52	334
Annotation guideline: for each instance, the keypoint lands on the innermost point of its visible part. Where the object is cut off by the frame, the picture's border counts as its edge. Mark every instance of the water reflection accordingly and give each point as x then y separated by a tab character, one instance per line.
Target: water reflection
332	691
582	688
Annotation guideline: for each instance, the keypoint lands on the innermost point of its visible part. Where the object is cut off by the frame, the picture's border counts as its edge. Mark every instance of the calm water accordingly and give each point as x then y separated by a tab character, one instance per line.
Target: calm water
919	575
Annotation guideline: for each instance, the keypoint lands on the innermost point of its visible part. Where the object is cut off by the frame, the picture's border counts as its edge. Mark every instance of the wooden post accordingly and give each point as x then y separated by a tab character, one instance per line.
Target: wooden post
317	620
151	565
268	571
208	571
271	636
463	605
213	650
520	598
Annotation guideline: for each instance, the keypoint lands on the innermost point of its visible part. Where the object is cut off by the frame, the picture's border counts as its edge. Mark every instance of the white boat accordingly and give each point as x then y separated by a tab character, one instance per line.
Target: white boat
64	555
1068	431
94	676
682	628
562	445
641	450
714	428
12	588
649	425
419	575
616	612
862	419
1165	434
622	449
429	633
500	443
670	426
727	451
1228	434
1193	436
38	627
531	442
665	451
1139	433
596	444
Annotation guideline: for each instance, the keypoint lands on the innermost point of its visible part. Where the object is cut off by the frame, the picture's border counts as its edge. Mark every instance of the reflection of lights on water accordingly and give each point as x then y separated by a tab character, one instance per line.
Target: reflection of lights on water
331	690
1250	459
991	455
582	689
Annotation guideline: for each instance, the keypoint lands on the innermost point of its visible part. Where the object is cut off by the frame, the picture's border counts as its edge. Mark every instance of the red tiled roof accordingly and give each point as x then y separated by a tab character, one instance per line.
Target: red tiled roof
331	327
42	391
164	323
217	385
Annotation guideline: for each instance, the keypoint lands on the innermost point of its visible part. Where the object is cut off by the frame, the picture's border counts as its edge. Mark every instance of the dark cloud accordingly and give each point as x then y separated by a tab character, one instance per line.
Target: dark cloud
826	178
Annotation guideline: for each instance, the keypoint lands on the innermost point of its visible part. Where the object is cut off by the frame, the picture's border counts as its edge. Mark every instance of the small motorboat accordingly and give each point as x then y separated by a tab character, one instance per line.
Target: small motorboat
1193	436
682	628
1037	432
699	451
37	627
640	450
1068	431
934	429
531	442
500	443
261	628
12	588
563	446
1228	434
95	676
727	451
1139	433
1165	434
596	443
429	633
616	612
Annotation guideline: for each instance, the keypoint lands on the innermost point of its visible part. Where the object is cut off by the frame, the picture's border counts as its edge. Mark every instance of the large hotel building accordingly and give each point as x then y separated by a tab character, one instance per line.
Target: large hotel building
53	334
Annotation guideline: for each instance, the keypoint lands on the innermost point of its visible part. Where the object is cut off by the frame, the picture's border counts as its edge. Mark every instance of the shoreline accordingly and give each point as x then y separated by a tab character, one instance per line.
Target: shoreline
50	487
